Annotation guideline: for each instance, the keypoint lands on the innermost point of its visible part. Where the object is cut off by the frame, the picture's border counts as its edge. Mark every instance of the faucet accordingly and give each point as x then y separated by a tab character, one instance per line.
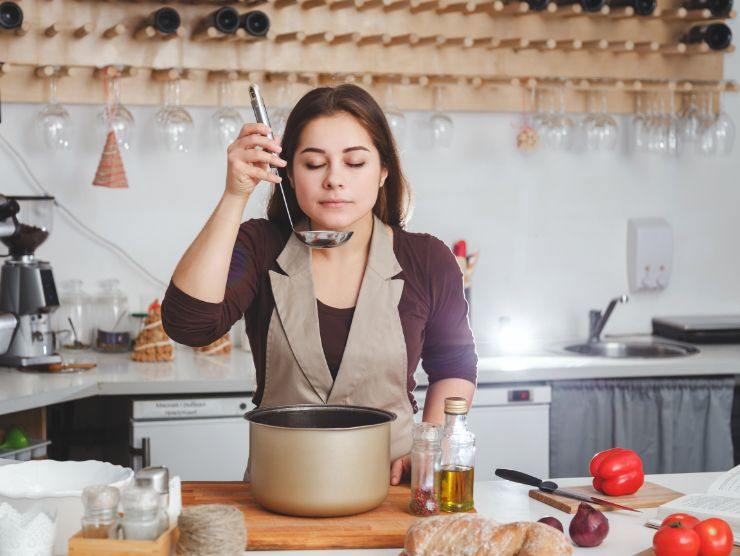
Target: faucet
597	320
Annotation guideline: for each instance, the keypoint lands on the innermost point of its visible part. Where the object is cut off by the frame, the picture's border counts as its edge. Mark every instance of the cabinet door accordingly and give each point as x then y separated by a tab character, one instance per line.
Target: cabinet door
514	437
197	449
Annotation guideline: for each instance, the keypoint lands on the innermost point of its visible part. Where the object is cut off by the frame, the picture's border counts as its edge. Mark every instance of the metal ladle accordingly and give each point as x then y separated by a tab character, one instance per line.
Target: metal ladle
316	239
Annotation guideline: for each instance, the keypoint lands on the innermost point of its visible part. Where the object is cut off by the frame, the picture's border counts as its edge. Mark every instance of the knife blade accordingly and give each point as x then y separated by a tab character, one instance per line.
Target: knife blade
552	488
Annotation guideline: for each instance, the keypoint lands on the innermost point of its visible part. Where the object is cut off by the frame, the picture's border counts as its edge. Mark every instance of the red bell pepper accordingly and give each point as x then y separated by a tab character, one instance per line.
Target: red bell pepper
617	472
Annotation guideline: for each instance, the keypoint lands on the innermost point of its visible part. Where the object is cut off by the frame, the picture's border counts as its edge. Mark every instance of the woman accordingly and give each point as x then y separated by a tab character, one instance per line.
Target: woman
346	325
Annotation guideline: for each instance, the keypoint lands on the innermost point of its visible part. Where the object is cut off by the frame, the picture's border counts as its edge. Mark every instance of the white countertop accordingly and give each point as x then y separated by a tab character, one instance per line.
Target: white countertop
190	373
506	502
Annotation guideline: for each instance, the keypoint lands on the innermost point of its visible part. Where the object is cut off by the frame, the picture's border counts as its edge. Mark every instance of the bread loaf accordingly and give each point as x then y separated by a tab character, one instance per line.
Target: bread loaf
475	535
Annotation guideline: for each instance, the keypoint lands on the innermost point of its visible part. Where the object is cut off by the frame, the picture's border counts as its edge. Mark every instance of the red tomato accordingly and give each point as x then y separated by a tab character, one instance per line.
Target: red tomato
716	537
685	520
675	540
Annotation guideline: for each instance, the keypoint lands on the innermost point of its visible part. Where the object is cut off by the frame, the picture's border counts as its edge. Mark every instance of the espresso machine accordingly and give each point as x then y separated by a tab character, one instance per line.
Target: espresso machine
28	294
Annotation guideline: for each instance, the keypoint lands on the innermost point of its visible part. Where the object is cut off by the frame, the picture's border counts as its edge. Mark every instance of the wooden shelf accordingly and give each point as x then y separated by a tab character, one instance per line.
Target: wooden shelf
469	45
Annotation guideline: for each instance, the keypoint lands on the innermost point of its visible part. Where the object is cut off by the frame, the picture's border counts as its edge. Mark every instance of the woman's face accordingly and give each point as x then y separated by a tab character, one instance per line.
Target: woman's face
336	172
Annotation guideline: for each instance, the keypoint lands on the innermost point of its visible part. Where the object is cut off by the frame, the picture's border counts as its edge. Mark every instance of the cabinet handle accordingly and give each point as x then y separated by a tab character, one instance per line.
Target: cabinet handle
144	452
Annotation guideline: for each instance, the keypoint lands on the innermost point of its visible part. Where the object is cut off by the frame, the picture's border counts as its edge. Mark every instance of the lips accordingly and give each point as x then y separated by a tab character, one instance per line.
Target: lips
333	203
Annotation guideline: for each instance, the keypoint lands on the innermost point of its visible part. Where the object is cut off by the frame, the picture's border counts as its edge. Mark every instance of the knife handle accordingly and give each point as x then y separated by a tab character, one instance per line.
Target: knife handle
518	477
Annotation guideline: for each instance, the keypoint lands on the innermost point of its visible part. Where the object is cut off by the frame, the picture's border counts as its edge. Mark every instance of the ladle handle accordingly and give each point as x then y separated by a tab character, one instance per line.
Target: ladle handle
260	114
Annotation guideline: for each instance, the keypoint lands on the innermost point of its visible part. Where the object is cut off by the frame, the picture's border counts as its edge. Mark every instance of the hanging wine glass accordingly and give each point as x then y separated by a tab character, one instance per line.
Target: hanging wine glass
724	130
177	125
540	118
227	122
672	128
601	129
527	137
706	143
115	116
441	125
394	115
560	133
54	123
690	120
161	114
279	114
639	123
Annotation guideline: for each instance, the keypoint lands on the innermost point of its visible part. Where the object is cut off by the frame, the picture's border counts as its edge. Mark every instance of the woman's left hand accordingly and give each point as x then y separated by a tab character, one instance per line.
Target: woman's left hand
400	469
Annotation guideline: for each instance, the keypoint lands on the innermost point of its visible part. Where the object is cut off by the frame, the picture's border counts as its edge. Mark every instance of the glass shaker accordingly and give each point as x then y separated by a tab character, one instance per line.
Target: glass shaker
458	459
140	513
100	520
426	459
157	478
112	326
75	315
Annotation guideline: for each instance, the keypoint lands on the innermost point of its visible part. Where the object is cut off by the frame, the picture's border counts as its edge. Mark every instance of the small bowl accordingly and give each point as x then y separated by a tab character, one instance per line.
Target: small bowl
57	486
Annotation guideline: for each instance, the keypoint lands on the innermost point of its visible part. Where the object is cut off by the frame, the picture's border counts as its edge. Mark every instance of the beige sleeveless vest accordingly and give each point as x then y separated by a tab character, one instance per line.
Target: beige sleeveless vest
374	366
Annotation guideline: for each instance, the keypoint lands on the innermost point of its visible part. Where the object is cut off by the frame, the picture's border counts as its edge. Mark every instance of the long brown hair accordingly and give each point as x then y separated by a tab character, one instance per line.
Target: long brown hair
393	205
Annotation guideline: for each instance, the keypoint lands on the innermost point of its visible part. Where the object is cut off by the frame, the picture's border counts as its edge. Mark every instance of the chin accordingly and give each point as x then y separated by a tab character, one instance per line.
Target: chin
333	219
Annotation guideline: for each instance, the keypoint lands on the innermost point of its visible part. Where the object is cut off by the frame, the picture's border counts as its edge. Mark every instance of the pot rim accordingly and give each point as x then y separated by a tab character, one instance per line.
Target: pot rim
249	416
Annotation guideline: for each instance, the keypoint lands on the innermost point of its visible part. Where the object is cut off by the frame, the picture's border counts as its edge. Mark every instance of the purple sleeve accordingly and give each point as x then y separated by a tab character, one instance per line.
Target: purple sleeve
195	322
449	347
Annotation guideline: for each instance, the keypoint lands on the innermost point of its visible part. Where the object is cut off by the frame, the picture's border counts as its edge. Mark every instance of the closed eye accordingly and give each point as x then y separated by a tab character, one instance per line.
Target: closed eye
317	166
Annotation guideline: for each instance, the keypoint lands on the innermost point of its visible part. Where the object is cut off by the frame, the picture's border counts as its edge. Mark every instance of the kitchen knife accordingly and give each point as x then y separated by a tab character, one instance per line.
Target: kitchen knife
552	488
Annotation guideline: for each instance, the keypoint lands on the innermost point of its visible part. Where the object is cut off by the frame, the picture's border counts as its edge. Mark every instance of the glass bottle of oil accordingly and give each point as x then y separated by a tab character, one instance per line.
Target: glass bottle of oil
458	459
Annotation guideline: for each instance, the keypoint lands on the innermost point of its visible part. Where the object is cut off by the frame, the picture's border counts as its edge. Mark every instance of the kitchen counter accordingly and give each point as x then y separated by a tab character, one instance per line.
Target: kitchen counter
505	502
190	373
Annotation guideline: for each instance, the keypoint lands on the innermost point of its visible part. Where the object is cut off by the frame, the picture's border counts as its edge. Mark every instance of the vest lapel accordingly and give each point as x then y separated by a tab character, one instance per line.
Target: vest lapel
376	316
295	303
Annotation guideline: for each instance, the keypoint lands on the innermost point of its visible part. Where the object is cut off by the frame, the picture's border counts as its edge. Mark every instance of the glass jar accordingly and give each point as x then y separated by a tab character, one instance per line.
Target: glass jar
158	479
112	325
141	520
100	520
458	459
75	316
426	460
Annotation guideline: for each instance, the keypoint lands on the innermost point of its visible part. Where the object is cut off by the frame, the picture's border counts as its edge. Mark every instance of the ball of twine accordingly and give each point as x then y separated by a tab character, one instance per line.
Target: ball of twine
211	530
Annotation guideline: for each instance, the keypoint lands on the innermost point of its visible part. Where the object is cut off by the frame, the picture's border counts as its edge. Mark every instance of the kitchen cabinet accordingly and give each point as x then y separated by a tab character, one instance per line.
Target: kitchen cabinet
511	426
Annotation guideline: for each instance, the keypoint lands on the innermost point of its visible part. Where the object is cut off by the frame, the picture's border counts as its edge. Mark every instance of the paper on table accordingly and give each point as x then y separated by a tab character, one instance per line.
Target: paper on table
722	500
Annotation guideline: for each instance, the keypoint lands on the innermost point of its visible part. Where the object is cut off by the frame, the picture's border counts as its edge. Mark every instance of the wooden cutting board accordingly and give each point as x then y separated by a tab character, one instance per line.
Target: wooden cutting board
383	527
650	495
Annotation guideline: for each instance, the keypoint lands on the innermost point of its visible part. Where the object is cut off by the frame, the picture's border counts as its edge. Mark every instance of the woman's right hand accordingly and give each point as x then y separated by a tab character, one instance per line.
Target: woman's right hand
247	164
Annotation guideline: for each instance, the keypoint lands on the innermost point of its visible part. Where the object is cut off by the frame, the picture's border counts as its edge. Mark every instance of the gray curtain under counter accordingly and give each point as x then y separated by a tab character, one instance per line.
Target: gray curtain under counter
677	425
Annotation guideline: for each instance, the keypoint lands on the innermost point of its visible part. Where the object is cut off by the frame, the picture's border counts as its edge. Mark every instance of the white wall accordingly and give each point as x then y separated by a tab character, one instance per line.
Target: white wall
551	228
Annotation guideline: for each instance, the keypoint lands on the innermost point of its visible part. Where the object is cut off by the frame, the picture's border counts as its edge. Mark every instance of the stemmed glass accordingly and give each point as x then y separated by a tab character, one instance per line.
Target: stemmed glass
176	124
672	130
227	122
54	123
601	128
394	115
441	125
639	123
559	129
724	130
706	143
115	116
279	114
690	118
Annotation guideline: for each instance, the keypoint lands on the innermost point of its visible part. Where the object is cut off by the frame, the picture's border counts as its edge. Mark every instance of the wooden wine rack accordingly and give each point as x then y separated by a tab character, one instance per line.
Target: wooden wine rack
486	53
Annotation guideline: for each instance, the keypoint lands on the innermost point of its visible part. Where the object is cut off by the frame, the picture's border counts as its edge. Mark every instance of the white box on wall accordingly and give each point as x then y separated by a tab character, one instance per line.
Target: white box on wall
649	253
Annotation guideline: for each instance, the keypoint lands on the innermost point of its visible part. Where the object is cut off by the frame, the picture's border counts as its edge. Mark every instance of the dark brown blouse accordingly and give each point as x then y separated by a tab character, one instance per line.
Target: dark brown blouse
433	311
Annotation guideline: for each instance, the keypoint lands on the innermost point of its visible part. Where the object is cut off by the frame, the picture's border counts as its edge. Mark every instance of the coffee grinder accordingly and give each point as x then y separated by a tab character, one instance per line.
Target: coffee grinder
27	288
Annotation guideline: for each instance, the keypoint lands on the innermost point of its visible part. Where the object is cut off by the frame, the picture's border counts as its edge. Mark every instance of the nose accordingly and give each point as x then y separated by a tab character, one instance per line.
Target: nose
334	176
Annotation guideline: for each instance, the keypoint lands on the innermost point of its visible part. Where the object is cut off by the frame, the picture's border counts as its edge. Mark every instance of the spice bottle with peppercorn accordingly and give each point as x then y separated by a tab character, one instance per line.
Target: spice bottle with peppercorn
426	462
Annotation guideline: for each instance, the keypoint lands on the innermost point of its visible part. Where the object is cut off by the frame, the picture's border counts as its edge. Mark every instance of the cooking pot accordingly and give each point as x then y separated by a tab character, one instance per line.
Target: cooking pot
319	460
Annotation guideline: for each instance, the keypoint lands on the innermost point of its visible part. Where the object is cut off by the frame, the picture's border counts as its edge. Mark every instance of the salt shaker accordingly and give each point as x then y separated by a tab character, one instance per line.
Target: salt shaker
100	520
140	513
157	478
426	457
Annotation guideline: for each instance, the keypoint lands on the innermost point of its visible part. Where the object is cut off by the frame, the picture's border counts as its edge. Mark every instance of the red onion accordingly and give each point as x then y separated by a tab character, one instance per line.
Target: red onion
589	526
552	522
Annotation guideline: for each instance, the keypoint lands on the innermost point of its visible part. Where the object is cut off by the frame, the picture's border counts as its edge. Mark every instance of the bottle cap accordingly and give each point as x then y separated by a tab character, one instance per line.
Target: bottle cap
156	477
456	406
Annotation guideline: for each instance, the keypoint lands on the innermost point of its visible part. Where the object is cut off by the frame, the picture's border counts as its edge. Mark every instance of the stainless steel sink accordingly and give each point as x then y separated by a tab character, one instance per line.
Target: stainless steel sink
632	349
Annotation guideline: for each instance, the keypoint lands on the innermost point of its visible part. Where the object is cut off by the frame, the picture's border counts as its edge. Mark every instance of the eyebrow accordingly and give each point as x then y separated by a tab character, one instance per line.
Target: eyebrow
322	151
